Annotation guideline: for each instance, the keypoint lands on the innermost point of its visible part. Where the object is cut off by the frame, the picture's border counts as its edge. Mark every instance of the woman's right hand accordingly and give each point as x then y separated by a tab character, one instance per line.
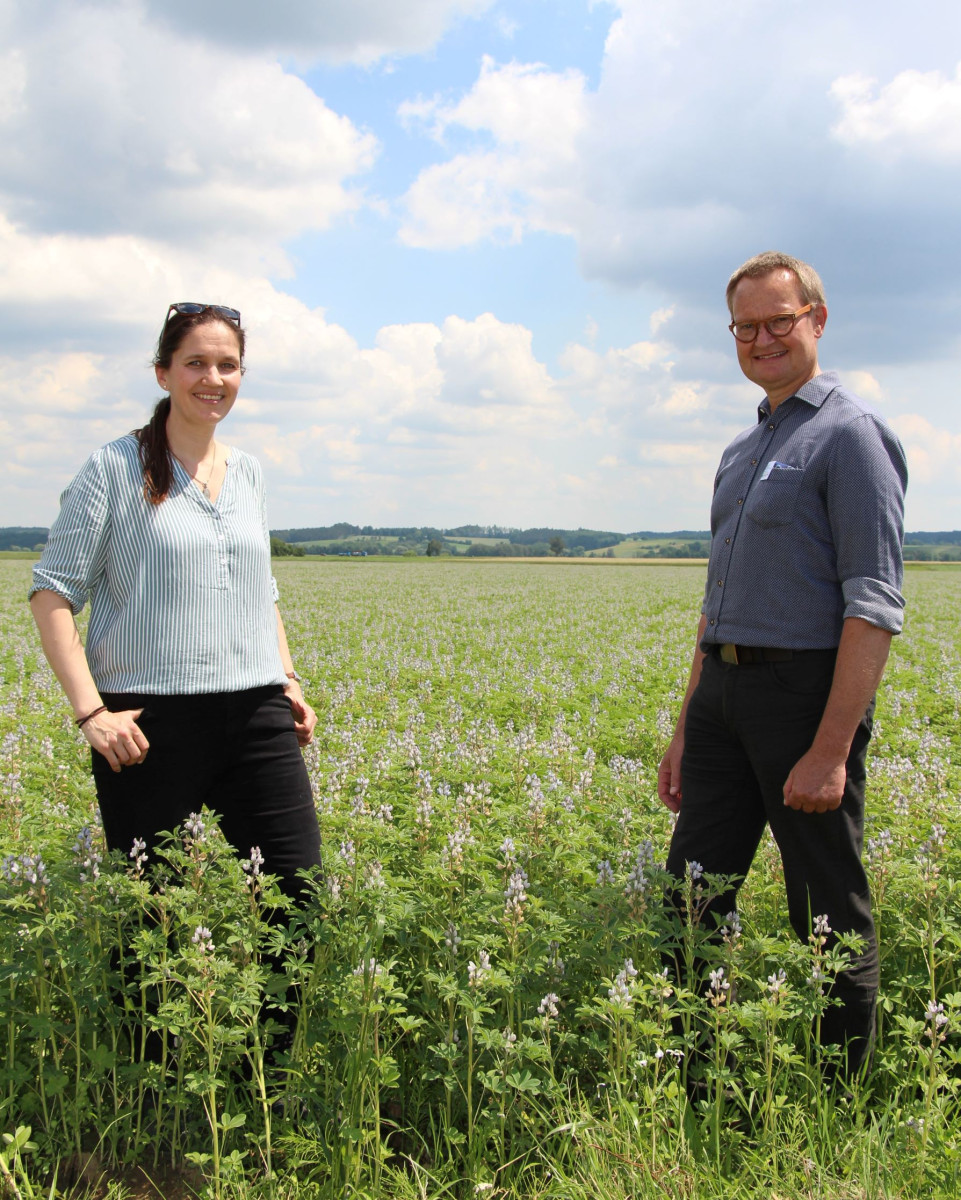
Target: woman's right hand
118	737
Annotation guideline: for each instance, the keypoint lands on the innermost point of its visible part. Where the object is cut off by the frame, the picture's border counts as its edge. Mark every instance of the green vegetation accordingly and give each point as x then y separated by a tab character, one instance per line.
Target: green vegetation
280	549
472	1003
502	542
933	547
476	540
19	537
641	545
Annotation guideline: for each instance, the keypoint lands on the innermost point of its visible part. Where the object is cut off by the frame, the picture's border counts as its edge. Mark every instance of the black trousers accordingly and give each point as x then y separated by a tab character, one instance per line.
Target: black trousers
746	728
237	753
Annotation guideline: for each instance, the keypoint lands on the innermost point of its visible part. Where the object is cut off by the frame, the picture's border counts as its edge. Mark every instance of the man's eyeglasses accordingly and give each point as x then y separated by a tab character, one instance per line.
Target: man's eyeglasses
779	326
190	308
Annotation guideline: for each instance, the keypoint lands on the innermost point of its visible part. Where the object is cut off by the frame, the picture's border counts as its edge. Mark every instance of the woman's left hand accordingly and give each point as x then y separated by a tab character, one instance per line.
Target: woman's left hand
304	716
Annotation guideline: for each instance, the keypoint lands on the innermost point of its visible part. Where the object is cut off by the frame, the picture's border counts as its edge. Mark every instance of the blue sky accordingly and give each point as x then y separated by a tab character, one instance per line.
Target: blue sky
480	245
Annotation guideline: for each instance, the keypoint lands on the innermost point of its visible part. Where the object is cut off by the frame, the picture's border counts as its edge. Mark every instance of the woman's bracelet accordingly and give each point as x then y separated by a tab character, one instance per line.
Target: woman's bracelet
81	721
293	675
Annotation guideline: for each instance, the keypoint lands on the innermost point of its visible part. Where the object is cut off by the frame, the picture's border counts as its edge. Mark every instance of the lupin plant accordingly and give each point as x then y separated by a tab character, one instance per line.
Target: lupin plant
484	992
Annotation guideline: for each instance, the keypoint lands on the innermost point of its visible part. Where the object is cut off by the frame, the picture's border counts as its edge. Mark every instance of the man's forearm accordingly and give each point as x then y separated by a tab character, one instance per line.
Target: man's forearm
816	782
862	655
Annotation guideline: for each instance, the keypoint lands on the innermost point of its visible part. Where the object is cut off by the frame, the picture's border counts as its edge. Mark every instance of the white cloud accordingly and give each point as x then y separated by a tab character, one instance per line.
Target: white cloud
488	363
520	104
169	150
683	400
535	118
917	114
449	421
660	317
466	200
359	31
506	27
111	125
679	455
865	384
697	147
60	286
59	385
934	455
618	377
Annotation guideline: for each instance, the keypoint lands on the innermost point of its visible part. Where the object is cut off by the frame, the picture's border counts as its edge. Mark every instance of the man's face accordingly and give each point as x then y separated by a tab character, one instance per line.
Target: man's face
780	365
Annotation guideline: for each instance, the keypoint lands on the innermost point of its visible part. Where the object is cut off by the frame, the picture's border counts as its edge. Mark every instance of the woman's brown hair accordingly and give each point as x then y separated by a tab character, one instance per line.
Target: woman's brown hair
155	454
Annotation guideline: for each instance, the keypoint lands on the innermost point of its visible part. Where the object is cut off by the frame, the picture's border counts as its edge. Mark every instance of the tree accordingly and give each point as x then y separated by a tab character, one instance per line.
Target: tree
557	545
435	547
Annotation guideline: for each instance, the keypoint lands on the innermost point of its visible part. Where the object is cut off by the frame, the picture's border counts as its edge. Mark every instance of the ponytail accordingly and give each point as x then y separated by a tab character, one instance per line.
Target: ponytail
158	472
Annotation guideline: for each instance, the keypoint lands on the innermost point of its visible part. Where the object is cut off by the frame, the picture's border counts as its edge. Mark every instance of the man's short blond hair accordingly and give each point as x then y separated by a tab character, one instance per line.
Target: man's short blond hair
812	289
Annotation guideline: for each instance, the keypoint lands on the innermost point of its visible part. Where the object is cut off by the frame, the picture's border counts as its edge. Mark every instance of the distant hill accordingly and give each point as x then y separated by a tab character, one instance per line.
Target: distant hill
22	537
504	540
933	539
503	532
483	540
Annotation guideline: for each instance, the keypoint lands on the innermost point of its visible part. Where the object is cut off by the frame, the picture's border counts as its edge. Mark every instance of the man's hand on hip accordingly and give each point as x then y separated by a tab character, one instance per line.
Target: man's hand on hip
816	784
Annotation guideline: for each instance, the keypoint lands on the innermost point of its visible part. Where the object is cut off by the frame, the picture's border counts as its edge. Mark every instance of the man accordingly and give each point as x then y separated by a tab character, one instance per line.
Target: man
802	599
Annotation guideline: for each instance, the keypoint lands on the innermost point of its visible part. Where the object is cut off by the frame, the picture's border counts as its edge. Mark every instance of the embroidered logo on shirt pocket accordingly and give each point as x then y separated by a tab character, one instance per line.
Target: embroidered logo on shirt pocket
774	499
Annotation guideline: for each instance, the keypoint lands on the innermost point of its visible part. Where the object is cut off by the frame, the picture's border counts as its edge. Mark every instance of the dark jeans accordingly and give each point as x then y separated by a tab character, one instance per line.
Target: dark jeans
746	728
237	753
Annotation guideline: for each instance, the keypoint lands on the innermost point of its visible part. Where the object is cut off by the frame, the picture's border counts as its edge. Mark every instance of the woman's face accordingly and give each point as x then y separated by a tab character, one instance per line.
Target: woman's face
203	376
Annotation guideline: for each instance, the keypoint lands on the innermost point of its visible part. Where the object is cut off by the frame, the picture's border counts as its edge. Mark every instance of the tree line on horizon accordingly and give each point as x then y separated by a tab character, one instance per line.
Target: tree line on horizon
499	541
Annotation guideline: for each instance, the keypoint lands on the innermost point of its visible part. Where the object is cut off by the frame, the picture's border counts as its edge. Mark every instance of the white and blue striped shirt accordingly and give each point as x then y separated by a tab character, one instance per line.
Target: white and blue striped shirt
181	593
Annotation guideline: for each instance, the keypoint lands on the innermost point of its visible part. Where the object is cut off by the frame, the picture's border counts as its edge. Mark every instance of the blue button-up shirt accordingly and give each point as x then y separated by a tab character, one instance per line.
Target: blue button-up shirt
807	524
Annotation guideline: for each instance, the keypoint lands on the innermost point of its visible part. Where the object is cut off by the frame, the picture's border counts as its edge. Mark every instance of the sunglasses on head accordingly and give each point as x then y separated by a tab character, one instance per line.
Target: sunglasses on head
190	308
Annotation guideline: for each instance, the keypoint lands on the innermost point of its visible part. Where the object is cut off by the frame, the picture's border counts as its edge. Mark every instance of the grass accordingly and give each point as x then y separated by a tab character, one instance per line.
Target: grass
472	1004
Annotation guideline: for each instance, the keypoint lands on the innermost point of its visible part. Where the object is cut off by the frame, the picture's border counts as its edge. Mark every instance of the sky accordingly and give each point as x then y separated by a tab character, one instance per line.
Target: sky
480	246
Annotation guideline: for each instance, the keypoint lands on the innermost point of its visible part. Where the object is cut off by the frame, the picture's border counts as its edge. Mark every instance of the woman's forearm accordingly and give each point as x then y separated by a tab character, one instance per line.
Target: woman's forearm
115	735
64	650
282	644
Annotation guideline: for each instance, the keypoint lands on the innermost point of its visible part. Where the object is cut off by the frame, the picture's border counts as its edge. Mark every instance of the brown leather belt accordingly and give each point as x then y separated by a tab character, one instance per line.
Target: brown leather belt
739	655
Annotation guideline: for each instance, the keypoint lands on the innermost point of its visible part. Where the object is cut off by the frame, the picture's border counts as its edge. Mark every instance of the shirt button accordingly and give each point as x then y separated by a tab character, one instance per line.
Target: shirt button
727	541
771	427
713	622
720	583
740	501
753	462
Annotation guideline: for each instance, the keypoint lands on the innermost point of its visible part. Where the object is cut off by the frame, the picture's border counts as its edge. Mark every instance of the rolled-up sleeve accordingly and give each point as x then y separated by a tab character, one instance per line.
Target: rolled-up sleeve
75	554
867	478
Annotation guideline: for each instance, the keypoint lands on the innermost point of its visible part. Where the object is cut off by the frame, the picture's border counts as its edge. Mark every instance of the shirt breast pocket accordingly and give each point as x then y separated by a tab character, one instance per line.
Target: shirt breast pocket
774	500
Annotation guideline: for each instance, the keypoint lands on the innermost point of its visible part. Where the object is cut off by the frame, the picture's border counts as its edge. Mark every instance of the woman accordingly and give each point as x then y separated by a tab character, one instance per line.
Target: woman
186	692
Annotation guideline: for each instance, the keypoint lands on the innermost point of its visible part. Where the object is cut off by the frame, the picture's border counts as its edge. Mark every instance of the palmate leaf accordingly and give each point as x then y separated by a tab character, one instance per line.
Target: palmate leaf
523	1081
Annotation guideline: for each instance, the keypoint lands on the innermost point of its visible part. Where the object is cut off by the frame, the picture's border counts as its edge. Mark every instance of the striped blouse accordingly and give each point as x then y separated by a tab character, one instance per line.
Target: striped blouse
181	594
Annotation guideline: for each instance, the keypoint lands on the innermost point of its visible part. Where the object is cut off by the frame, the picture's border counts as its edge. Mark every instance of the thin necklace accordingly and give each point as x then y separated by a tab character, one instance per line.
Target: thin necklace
203	484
